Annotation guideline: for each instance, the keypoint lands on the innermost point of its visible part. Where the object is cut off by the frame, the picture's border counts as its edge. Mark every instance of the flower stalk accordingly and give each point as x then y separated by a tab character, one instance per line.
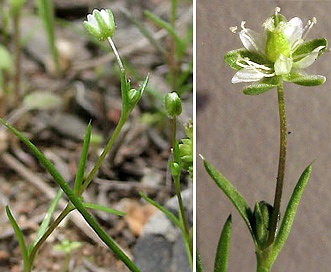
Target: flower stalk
281	164
120	64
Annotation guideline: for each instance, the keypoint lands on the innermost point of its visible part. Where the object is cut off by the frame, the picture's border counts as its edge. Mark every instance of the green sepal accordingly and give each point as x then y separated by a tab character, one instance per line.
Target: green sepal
291	210
307	47
92	30
262	86
130	97
231	192
231	58
258	88
223	247
105	30
302	79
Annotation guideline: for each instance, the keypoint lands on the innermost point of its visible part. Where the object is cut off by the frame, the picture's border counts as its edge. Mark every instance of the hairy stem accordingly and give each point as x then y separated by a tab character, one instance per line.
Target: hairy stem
281	164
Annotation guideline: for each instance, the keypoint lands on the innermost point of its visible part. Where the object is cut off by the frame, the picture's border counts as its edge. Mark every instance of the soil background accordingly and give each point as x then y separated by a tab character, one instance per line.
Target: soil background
239	135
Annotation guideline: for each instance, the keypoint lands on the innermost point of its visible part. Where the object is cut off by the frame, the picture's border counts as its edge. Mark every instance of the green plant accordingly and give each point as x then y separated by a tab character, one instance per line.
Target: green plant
15	7
67	247
46	12
279	54
130	97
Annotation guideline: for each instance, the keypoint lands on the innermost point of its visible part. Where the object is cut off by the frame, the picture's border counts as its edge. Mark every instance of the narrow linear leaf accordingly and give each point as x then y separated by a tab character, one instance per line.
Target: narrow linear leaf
76	201
102	209
291	210
236	198
145	32
46	12
222	253
81	166
19	236
47	219
40	156
169	214
165	25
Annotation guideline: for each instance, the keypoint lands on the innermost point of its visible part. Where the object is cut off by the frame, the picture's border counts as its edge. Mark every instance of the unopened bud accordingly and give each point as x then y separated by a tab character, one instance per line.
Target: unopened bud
173	104
100	24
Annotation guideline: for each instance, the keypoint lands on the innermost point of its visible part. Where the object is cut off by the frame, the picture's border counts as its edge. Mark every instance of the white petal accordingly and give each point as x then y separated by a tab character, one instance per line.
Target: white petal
293	30
105	17
309	59
248	74
283	65
253	41
91	20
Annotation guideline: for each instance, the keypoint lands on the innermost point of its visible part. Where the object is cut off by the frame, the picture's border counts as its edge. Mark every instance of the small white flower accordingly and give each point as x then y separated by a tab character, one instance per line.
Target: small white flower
279	48
100	24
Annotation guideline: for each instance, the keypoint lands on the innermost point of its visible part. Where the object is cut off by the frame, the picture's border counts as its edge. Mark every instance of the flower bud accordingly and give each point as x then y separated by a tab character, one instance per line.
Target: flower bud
262	214
175	169
173	104
100	24
133	96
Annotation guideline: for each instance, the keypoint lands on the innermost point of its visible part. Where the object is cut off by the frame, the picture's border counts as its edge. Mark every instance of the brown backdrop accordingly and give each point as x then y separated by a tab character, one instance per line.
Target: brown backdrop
239	135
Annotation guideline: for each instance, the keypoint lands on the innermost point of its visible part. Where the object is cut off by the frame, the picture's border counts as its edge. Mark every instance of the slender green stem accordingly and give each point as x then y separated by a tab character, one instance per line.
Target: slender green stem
186	234
100	232
185	228
264	259
17	45
173	130
173	13
120	64
4	23
49	231
123	119
281	164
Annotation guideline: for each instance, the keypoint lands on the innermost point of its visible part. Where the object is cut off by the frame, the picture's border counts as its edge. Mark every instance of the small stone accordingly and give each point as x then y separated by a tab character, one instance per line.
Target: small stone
4	256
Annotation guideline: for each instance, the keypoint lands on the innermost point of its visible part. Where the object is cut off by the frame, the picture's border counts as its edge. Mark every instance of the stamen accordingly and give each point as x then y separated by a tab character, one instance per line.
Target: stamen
255	66
233	29
259	66
308	27
277	10
243	24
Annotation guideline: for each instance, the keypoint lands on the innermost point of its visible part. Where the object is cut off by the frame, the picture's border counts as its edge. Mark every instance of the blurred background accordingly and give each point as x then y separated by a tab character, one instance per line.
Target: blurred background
239	135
